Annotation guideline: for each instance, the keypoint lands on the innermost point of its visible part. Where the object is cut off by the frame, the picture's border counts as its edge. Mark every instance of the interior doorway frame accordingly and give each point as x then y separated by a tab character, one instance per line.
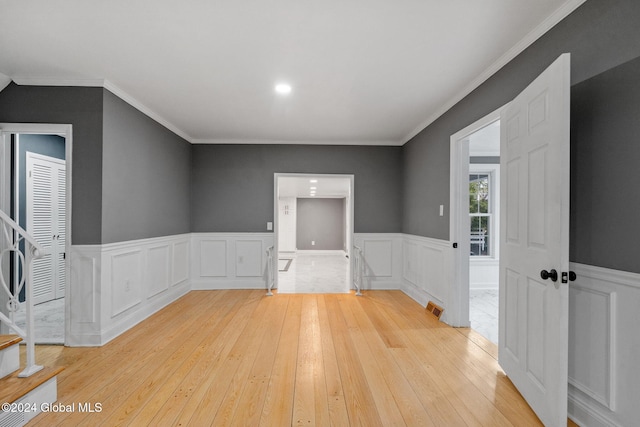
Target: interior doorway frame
66	131
350	218
458	312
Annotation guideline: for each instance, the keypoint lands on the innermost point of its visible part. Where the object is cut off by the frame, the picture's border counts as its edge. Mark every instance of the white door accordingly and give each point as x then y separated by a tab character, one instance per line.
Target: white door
535	242
46	223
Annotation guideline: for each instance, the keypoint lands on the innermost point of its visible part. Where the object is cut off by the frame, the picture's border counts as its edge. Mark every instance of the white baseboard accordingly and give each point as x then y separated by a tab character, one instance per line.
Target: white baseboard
320	252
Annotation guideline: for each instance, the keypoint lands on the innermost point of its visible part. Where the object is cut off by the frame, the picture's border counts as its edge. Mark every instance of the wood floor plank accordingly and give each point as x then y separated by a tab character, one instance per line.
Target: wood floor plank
338	415
373	346
221	341
250	404
309	351
199	388
240	358
278	404
227	381
141	406
358	396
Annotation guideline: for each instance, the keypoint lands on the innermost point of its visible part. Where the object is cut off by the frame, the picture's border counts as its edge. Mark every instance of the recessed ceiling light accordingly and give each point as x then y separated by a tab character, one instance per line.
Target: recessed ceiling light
313	188
313	181
283	88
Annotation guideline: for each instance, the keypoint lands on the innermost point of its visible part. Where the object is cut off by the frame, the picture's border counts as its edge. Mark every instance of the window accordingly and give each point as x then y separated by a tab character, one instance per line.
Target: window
481	213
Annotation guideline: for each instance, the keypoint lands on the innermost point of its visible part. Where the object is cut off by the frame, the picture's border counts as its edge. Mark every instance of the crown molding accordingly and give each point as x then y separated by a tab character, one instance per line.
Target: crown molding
292	142
106	84
146	110
561	13
53	81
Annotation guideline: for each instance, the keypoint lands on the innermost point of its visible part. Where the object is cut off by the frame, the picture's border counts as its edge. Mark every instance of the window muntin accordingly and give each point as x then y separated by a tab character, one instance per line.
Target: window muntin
481	214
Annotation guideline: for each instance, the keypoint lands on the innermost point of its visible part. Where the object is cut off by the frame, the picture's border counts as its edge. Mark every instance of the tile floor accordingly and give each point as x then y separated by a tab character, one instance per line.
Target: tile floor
314	273
483	312
49	318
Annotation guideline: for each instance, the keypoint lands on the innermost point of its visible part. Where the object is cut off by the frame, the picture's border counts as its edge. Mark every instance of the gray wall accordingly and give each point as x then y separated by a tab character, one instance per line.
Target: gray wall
145	176
320	221
232	185
600	35
130	174
82	108
605	145
484	160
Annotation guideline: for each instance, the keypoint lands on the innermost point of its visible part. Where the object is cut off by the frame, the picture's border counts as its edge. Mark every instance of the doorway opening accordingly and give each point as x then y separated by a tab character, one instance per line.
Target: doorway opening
313	233
475	224
35	186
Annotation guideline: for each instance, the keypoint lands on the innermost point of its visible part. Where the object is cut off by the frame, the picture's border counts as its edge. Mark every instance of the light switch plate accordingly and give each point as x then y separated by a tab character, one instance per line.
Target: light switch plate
269	226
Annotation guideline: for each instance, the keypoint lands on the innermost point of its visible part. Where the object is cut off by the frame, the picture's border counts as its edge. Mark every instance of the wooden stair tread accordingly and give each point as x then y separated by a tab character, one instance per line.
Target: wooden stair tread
13	388
8	340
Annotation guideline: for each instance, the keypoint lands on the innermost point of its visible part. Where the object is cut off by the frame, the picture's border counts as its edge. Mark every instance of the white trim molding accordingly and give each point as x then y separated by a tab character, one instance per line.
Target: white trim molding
603	325
427	271
117	285
382	260
106	84
229	260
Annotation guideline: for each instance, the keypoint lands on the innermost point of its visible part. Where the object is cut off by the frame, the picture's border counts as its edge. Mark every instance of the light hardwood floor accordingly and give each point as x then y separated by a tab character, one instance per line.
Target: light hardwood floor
239	358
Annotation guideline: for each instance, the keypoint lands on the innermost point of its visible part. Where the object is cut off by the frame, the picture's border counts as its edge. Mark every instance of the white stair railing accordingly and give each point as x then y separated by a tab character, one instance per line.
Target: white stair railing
358	269
13	235
270	270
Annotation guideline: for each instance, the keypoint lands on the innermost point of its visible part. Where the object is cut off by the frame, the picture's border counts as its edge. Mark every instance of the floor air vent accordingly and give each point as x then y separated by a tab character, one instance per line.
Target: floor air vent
434	309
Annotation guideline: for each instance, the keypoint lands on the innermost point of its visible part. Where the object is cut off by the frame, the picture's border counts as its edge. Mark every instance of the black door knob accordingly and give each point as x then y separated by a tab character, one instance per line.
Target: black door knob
553	275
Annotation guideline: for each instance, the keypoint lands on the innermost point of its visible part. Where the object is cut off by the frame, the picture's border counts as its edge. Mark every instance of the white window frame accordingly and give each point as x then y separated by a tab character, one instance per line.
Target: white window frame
493	170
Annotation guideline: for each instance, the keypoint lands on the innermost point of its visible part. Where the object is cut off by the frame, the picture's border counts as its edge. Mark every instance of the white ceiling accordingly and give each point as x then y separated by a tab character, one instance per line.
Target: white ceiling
362	71
326	186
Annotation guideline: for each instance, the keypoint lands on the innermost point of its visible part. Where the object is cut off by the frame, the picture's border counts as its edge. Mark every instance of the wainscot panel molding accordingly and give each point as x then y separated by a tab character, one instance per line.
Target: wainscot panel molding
427	270
484	273
117	285
382	253
229	260
604	382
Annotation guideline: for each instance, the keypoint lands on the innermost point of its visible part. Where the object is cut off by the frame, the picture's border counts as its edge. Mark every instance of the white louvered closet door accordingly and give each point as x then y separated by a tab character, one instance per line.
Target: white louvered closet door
46	223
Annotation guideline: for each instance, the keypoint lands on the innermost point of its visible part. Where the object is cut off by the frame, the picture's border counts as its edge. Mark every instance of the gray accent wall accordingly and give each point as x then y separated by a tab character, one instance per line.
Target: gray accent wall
484	160
82	108
320	221
145	176
232	186
605	146
600	35
131	177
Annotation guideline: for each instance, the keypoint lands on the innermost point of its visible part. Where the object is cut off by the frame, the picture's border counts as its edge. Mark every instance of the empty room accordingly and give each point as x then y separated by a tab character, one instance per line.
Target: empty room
290	213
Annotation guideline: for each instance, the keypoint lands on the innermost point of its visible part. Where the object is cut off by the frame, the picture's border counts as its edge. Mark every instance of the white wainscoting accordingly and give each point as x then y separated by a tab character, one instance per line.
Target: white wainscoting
229	260
484	273
382	253
117	285
604	347
426	270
